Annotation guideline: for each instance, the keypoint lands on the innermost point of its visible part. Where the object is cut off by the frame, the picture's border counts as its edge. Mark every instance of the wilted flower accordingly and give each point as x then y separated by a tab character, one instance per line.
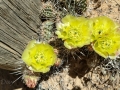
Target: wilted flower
75	31
39	56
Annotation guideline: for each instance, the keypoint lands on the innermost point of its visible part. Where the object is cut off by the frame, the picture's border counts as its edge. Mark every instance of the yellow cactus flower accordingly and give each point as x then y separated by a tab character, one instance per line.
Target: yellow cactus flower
108	46
39	56
75	31
103	25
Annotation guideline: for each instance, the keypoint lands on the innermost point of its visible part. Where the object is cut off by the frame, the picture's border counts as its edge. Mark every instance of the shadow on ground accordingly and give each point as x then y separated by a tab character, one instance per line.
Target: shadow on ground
6	80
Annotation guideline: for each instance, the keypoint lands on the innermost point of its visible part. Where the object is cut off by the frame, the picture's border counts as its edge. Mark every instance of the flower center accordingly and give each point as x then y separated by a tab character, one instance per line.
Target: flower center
39	57
73	34
106	44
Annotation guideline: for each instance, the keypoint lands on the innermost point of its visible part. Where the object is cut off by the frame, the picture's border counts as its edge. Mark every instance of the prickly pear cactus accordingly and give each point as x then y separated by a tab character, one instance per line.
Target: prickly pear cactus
48	15
74	7
48	30
52	11
47	10
80	6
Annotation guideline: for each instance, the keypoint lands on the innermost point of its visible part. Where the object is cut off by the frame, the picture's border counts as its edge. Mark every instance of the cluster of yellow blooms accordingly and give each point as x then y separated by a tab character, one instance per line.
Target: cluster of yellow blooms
100	32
